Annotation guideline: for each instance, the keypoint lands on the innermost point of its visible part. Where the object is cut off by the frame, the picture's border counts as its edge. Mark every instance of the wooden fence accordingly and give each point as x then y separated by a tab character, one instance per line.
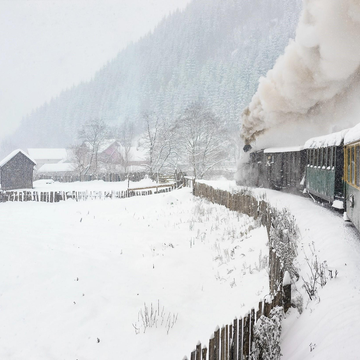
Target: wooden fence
56	196
235	341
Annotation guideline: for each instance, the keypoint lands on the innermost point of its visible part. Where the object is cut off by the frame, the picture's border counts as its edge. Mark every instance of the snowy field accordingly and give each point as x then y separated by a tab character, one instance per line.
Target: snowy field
77	277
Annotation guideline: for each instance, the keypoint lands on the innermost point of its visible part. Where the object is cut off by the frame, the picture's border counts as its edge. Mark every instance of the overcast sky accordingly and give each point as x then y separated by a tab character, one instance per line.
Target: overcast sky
49	45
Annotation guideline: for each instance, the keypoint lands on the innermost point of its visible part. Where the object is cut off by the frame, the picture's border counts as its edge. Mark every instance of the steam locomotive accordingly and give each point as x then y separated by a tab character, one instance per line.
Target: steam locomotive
325	167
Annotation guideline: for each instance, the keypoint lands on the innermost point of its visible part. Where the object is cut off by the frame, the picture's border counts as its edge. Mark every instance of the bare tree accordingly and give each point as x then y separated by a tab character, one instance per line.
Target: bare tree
201	139
126	137
93	133
80	157
157	140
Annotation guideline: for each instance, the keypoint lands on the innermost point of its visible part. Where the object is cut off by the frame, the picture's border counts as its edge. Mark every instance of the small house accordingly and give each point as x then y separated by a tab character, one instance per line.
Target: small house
16	171
44	156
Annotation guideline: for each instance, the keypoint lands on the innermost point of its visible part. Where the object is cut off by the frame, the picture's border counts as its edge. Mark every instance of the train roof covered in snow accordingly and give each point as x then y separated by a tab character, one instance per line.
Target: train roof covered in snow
352	135
283	149
334	139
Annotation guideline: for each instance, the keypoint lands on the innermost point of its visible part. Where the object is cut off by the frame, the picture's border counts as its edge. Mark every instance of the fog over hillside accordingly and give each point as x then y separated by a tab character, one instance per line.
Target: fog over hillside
213	51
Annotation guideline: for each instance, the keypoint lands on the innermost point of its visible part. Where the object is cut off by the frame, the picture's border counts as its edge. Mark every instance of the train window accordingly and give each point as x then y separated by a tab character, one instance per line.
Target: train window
316	157
321	162
353	165
348	164
329	158
357	165
312	155
308	162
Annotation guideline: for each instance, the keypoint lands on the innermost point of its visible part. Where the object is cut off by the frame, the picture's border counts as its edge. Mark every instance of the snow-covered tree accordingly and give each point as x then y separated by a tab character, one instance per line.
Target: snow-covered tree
158	142
126	137
93	133
267	334
201	139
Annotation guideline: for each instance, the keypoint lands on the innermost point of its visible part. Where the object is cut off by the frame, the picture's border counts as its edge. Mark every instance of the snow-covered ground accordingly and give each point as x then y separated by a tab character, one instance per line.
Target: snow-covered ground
75	277
96	185
329	326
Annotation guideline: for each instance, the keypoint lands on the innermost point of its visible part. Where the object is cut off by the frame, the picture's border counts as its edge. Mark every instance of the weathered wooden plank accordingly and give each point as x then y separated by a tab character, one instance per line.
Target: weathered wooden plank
198	351
241	344
204	353
217	345
246	334
235	340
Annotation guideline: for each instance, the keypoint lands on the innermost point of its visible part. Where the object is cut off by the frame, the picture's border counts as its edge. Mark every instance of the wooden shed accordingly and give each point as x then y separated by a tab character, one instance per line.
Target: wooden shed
16	171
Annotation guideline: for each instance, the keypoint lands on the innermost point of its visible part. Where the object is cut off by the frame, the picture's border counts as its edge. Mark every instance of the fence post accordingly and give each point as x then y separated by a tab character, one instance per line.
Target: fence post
267	306
211	347
217	345
227	342
204	353
246	337
222	343
241	342
198	351
287	291
235	341
260	311
252	324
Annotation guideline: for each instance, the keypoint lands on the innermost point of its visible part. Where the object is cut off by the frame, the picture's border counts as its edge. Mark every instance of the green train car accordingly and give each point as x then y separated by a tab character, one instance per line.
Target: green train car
285	168
324	167
352	175
327	166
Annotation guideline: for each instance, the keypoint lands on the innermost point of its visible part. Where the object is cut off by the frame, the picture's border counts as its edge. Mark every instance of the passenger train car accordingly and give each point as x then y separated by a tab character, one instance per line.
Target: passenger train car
352	175
325	167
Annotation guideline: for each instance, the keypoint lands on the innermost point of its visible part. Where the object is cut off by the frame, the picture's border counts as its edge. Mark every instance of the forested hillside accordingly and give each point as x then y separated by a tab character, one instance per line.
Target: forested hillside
214	51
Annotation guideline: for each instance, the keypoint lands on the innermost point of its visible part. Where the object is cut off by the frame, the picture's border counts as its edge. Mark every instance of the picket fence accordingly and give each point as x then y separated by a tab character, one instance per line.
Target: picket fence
235	341
56	196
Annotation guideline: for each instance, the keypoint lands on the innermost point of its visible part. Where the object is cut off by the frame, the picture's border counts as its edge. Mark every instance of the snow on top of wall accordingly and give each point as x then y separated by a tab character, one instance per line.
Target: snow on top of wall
352	135
12	154
283	149
50	153
334	139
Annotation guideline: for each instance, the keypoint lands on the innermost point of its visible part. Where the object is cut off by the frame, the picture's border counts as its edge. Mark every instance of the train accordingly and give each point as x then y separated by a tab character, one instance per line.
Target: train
326	168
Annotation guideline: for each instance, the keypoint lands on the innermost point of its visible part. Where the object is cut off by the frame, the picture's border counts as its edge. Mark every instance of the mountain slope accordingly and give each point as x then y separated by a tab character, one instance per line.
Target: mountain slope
214	51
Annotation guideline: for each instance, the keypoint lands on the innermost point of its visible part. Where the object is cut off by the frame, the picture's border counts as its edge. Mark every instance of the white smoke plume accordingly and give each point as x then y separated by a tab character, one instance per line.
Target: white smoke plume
314	87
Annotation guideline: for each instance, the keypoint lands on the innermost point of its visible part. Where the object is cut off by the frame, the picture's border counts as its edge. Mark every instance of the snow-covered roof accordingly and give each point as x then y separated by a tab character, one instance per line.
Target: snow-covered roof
352	135
104	145
283	149
48	153
334	139
59	167
12	154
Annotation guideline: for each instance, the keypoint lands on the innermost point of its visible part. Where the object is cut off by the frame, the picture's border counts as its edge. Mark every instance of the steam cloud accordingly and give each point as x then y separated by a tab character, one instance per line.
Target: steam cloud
316	81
